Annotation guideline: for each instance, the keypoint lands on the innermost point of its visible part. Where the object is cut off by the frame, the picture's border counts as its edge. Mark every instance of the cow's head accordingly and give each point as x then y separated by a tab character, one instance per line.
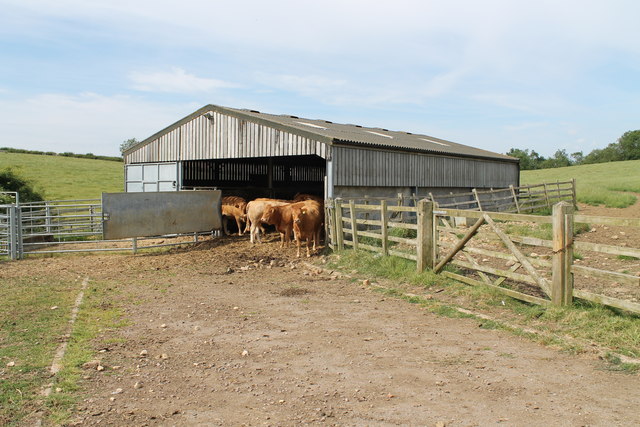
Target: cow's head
267	214
297	216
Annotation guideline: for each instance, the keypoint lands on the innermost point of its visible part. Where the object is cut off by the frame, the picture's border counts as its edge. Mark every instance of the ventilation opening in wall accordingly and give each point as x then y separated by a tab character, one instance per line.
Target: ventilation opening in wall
277	177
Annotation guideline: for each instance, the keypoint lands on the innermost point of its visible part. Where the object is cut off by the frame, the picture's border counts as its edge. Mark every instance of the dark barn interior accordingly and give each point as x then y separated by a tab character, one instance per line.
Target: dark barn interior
276	177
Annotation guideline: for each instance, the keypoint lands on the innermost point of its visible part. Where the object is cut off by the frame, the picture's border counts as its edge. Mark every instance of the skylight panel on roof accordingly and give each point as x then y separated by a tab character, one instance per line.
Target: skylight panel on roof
380	134
312	125
435	142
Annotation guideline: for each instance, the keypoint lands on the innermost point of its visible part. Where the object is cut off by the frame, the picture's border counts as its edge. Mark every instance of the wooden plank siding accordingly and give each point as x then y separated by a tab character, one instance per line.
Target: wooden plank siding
225	137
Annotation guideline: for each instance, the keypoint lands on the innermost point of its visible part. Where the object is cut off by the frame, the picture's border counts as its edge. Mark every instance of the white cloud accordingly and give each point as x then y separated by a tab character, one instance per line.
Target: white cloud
311	85
83	123
470	63
175	81
525	126
372	91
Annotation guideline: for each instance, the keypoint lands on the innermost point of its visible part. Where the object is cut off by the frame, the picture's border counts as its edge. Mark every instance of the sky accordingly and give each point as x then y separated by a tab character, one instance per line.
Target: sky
84	76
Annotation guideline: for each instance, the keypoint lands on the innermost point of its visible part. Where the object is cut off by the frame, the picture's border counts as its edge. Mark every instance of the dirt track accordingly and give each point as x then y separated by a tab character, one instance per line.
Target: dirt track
250	343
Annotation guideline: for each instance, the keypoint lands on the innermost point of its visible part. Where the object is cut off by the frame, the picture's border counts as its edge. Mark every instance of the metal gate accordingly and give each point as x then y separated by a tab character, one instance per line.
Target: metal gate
10	232
153	214
66	226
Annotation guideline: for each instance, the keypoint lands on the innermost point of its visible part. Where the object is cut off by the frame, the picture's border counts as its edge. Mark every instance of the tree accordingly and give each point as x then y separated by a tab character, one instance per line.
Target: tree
127	144
629	144
11	181
577	157
611	153
559	160
528	159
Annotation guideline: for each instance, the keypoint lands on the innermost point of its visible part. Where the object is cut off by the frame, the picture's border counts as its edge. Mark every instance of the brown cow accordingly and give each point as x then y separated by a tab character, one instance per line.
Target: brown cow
234	207
255	208
280	216
299	197
237	201
307	223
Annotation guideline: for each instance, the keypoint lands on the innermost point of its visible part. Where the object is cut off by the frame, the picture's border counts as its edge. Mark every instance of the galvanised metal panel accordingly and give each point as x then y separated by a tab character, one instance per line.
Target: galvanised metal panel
377	168
154	214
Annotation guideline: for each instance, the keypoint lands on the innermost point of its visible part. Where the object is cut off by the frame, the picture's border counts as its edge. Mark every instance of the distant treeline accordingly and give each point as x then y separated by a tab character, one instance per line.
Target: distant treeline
65	154
626	148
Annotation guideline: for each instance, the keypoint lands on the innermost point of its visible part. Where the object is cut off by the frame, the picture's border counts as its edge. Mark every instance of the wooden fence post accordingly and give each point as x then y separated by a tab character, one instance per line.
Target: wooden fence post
327	226
562	278
338	221
425	240
546	194
573	193
366	213
384	220
515	198
332	224
475	194
354	226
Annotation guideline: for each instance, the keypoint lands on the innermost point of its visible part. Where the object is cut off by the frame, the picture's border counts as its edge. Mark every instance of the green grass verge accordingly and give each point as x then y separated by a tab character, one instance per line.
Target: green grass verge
542	231
67	177
605	184
561	327
30	332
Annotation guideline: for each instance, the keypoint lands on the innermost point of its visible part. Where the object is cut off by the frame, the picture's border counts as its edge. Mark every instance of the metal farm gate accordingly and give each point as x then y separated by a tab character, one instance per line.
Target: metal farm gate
67	226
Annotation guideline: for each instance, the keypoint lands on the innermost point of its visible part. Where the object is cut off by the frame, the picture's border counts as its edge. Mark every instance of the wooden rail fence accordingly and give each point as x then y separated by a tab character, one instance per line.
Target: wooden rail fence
523	199
431	237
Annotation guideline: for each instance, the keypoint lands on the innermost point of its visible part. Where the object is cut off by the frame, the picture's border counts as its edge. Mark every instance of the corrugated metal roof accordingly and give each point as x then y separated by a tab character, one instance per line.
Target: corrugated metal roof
345	134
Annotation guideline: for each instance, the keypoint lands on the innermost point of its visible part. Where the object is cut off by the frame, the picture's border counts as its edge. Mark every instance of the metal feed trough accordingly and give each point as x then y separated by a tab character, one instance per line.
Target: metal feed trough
67	226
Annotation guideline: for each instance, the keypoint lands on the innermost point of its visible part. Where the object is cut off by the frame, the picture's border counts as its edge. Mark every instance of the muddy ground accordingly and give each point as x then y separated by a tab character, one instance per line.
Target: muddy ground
230	334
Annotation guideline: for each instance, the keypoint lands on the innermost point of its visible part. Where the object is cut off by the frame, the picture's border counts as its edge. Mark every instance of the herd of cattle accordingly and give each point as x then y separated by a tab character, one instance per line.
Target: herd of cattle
303	216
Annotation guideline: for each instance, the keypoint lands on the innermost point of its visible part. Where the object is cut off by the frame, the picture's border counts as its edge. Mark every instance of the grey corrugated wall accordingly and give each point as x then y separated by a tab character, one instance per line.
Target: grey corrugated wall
367	167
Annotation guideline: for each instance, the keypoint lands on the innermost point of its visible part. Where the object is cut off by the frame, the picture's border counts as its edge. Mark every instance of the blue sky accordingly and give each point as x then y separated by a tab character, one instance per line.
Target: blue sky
83	76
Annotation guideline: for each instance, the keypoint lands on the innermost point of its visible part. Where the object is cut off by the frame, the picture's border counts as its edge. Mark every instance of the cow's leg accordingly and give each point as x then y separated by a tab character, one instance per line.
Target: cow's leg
258	234
239	226
308	244
316	241
255	234
298	240
225	228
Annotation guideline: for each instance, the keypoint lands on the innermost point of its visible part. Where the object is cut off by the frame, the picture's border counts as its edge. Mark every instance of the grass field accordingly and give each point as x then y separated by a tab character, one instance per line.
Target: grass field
63	178
606	184
34	316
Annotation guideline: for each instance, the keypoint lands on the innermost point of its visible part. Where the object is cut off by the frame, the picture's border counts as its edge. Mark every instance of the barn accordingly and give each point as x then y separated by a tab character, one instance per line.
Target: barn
254	154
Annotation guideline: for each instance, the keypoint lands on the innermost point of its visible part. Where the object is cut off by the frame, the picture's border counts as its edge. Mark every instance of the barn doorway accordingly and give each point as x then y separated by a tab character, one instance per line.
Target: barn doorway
276	177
